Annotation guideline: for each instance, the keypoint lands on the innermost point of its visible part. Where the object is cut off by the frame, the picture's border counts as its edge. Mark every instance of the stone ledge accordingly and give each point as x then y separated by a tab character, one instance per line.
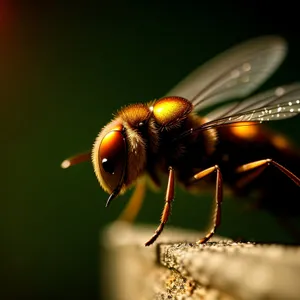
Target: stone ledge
220	269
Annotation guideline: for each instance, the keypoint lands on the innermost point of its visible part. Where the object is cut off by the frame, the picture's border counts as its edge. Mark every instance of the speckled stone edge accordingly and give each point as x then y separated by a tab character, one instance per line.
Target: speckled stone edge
242	270
221	269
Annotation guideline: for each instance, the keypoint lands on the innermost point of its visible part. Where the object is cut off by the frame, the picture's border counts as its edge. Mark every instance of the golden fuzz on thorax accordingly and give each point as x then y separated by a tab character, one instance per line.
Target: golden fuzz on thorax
171	110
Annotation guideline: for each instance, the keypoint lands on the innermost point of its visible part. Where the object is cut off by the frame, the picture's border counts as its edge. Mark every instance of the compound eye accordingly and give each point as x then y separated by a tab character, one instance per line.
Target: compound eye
112	159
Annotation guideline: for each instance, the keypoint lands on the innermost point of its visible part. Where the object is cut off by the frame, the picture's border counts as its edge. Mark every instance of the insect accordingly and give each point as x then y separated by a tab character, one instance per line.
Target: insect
227	146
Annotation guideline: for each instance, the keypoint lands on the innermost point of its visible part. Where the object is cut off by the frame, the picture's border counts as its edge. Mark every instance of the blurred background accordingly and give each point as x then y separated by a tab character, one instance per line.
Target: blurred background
64	69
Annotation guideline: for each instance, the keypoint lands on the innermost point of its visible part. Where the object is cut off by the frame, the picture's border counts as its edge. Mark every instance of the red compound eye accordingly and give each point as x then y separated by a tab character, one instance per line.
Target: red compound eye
112	158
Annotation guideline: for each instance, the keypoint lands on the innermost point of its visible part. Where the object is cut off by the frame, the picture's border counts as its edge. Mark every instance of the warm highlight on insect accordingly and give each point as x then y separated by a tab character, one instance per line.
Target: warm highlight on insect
226	147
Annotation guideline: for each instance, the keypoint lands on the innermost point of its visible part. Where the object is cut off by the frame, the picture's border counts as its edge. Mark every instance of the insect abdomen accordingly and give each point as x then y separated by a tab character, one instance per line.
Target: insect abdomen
270	188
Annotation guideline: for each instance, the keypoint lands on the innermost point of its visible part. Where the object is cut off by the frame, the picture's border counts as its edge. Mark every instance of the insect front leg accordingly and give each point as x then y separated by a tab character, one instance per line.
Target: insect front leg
135	202
260	165
167	208
218	199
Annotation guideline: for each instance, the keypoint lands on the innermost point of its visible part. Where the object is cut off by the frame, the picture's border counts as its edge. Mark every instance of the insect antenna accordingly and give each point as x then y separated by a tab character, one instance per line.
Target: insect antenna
76	159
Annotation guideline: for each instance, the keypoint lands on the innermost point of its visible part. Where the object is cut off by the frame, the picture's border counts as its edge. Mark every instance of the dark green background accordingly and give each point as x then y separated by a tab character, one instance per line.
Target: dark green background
64	69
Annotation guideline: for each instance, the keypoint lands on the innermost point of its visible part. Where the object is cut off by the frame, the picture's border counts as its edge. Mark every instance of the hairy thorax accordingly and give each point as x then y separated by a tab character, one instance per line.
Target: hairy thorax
187	154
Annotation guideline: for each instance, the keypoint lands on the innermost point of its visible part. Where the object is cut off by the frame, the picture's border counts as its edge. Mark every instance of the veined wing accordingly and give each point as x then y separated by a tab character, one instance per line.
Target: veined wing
234	74
276	104
259	101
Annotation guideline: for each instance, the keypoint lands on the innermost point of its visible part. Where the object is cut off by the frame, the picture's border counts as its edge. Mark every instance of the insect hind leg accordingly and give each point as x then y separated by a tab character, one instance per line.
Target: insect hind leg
256	168
260	165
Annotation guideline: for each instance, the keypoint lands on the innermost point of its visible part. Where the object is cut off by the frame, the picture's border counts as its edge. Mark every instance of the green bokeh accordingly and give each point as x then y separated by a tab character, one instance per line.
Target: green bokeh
65	70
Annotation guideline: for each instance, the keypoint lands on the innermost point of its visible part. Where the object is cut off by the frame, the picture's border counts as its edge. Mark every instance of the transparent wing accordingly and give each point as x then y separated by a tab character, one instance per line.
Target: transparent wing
257	101
233	74
276	104
220	111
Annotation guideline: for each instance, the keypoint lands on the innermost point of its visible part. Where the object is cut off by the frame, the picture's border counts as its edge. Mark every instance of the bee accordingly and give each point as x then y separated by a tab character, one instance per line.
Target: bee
225	147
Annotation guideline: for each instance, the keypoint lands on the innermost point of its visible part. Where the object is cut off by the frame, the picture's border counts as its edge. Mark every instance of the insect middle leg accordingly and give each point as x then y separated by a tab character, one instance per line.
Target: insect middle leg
167	208
218	199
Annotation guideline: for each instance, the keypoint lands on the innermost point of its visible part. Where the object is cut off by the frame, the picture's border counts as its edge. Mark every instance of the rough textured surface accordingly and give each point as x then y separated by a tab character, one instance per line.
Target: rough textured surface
220	269
245	271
